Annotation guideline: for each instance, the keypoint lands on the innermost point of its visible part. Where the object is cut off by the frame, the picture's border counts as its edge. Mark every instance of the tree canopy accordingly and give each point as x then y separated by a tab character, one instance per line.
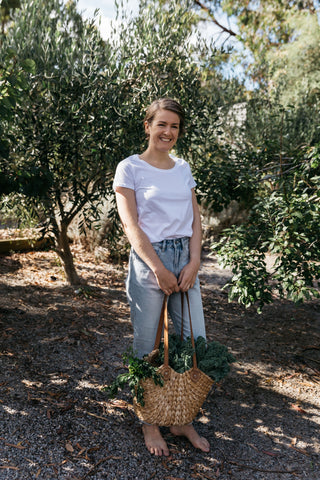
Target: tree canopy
59	141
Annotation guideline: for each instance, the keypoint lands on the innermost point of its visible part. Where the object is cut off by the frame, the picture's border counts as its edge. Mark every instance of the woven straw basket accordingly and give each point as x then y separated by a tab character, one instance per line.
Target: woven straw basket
178	401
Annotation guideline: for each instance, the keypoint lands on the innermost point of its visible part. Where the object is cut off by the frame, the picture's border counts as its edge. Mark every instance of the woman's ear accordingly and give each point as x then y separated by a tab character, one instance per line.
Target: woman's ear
147	127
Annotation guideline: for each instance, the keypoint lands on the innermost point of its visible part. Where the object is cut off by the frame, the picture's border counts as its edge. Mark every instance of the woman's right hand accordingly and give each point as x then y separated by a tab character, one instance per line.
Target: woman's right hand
167	281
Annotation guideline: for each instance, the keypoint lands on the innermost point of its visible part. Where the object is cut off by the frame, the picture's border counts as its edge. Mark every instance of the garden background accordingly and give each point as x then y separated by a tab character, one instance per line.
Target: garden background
71	105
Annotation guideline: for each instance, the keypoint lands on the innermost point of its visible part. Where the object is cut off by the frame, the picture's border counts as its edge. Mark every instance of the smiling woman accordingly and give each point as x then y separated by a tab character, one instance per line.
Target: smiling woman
164	124
163	132
160	216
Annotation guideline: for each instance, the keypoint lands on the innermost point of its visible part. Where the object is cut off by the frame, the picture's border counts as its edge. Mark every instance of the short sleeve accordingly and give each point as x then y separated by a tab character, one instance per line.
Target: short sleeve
191	181
123	176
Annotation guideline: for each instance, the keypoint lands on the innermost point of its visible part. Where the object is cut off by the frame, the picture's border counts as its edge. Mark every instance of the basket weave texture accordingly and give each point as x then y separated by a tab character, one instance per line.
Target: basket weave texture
178	401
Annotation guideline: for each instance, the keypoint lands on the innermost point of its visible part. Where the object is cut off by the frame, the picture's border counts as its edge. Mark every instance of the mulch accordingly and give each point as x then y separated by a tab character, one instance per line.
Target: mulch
60	346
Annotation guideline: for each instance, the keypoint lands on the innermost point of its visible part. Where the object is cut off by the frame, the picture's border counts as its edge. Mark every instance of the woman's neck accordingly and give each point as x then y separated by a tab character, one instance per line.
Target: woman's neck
157	159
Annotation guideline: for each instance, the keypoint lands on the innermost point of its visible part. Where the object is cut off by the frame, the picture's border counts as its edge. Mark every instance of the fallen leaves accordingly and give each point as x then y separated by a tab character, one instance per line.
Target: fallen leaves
122	404
297	408
86	328
105	459
19	446
206	472
265	452
299	450
69	447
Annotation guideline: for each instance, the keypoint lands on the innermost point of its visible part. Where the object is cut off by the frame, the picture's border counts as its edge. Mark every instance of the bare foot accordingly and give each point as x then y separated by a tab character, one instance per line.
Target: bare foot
154	440
191	434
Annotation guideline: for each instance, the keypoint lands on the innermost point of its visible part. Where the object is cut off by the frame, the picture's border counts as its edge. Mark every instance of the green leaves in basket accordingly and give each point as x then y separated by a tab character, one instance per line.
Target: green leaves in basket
215	362
213	359
138	369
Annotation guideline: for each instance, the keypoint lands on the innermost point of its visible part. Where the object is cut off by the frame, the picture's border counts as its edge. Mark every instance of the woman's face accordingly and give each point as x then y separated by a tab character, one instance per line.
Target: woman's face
163	131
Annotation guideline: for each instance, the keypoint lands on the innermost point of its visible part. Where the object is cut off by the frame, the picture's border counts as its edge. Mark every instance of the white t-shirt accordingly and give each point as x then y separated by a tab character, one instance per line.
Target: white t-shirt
164	197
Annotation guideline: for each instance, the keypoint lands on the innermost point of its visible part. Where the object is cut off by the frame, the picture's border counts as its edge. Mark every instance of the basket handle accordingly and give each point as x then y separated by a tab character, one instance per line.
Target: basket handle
163	321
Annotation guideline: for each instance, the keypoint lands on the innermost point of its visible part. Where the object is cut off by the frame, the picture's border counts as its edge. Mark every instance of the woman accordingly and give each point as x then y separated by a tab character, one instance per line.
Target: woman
160	216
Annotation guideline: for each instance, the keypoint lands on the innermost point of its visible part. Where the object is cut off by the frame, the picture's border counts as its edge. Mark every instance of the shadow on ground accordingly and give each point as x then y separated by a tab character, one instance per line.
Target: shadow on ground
58	349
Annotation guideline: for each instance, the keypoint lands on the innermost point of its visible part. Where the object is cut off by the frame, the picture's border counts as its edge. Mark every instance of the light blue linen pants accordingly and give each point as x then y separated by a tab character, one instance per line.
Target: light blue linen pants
146	298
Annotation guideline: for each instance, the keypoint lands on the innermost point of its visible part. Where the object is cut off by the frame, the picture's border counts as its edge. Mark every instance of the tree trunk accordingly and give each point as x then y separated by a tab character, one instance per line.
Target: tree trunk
66	256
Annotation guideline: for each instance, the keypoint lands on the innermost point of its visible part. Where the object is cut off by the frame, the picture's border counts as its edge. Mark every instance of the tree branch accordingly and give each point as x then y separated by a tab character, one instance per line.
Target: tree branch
213	18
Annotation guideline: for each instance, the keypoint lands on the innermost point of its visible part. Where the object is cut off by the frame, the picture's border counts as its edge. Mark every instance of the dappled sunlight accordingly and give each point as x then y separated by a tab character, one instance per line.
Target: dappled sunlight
31	384
87	384
13	411
59	381
60	349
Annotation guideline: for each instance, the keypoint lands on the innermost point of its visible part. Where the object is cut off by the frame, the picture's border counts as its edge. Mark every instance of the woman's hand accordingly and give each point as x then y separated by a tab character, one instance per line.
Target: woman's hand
167	281
188	275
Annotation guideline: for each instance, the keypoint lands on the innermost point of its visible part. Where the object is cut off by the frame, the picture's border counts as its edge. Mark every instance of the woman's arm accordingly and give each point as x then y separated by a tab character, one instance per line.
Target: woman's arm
127	208
189	273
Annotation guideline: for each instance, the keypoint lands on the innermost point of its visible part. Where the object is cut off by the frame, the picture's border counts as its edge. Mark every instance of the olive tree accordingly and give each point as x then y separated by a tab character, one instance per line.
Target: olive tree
62	139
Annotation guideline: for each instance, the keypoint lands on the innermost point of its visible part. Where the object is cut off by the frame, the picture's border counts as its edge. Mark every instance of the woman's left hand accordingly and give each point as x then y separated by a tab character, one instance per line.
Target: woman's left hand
188	276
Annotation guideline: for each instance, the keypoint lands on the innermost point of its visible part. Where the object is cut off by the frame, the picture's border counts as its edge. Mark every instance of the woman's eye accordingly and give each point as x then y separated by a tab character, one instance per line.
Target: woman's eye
163	125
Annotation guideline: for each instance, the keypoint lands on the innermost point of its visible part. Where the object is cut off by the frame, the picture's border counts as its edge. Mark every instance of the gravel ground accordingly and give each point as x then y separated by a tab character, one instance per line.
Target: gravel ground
59	348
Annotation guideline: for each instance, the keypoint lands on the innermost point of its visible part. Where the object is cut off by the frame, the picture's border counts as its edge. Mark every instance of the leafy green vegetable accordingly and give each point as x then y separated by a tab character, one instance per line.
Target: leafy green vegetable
213	359
138	369
216	360
180	354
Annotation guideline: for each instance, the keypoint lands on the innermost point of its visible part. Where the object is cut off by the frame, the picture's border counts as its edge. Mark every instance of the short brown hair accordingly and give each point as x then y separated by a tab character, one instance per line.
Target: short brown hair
166	104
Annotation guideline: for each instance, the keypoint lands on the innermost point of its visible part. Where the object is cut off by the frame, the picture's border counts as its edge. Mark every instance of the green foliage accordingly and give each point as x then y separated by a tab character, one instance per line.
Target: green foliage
213	359
282	143
138	369
13	86
263	34
294	68
249	283
264	27
61	137
6	9
285	225
15	211
223	175
180	354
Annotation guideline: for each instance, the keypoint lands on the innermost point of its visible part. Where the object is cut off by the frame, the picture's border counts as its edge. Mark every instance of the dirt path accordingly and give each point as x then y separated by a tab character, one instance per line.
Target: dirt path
59	347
